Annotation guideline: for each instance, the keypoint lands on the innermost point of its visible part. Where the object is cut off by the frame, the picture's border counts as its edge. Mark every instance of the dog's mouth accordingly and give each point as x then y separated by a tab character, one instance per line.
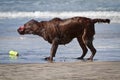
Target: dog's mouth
21	30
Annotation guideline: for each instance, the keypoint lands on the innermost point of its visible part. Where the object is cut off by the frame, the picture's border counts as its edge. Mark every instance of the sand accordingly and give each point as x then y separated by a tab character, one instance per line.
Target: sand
61	71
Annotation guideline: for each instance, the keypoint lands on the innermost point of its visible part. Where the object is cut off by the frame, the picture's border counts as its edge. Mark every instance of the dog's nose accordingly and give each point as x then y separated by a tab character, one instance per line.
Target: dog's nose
21	28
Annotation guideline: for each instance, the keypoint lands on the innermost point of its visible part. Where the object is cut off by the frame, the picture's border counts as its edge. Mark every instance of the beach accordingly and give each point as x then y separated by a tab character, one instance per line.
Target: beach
61	71
32	49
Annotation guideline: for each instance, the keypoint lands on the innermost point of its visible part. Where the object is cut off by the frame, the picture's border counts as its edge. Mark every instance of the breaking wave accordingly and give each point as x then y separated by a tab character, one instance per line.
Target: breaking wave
113	15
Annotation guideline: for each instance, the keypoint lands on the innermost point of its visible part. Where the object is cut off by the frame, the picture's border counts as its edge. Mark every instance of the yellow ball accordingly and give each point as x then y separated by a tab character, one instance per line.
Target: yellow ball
13	53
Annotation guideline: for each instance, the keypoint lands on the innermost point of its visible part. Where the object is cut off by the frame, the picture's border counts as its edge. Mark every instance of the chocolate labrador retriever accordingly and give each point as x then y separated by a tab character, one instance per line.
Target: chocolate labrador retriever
61	31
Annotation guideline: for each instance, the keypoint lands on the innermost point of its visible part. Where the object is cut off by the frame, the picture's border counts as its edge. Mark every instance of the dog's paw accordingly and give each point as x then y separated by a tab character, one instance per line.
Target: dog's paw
48	59
80	58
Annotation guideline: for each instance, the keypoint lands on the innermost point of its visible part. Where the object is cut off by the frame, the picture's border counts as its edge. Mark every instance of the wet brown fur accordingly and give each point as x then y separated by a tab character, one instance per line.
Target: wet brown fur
61	31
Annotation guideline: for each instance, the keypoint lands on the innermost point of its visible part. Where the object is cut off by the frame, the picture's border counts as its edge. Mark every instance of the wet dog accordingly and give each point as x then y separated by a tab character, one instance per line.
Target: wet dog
62	31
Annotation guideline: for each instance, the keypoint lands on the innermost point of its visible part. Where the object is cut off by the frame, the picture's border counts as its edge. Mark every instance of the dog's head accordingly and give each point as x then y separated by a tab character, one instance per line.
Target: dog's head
28	28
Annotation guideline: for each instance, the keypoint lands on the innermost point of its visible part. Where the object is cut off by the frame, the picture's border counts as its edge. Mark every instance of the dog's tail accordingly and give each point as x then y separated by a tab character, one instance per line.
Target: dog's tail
101	21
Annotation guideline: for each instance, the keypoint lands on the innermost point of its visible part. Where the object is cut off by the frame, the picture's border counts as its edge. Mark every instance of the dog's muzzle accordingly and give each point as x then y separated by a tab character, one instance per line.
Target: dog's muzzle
21	30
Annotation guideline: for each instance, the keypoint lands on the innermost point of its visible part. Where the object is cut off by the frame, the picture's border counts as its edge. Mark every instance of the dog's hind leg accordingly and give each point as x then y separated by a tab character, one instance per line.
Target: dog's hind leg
91	47
89	36
83	46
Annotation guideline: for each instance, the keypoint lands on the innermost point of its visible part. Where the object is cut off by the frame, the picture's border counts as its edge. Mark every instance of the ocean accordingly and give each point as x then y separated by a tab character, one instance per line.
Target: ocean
33	49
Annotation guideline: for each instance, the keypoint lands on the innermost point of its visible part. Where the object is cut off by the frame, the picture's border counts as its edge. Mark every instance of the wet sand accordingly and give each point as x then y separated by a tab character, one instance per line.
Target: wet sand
61	71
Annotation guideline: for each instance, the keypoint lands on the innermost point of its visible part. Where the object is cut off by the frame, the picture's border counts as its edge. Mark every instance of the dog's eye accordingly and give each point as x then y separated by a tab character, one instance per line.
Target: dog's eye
27	26
30	24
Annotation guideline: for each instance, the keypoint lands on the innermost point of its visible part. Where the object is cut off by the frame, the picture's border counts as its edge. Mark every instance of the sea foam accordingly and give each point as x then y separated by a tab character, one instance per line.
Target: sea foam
113	15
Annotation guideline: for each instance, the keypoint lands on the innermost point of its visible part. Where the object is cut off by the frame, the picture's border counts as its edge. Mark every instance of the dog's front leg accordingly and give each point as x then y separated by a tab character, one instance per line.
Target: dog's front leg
53	49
